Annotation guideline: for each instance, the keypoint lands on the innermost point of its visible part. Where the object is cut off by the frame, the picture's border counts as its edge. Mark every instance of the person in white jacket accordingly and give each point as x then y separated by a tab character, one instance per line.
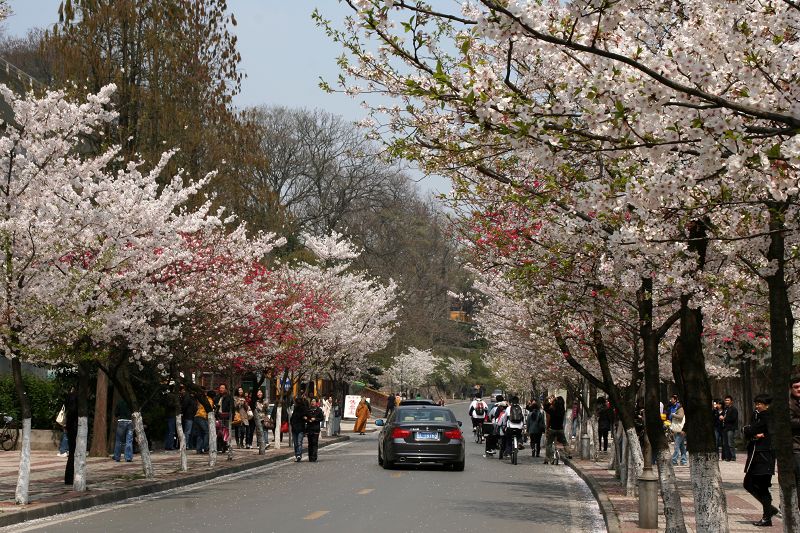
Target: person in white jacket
477	412
511	421
326	410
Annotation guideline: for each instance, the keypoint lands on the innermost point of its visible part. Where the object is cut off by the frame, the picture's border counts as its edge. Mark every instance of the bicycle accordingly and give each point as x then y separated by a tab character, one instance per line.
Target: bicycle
478	430
9	433
514	449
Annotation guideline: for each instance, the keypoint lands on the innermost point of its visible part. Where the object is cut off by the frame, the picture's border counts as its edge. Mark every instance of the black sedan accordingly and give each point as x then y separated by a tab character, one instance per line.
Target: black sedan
421	434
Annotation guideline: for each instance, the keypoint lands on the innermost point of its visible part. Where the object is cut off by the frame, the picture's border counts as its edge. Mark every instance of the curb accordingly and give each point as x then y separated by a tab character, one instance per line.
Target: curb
606	507
103	498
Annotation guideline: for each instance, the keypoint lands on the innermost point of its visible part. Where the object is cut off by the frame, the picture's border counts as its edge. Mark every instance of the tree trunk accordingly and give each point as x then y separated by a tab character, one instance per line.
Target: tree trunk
635	462
100	428
79	481
623	459
689	370
21	496
181	441
144	449
212	438
673	511
781	326
673	508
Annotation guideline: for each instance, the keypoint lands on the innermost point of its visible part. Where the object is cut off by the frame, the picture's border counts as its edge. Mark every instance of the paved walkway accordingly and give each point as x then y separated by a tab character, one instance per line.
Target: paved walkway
110	481
743	509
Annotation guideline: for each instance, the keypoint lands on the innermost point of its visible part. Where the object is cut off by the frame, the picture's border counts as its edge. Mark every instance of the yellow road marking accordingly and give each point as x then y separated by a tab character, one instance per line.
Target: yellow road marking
365	491
397	474
315	515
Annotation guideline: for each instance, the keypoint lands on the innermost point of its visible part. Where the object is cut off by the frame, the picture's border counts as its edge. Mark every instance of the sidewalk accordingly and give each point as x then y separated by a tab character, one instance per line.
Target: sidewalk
743	509
109	481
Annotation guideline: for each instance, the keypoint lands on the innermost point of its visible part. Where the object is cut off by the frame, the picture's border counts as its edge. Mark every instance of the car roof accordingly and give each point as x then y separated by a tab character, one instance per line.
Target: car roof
420	401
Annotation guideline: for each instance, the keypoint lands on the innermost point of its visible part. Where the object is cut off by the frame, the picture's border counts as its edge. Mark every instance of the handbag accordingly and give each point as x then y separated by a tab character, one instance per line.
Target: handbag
61	418
237	419
284	427
249	413
268	423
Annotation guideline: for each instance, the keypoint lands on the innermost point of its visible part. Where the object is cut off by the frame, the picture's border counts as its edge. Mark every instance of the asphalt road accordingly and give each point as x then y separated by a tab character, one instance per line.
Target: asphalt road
347	491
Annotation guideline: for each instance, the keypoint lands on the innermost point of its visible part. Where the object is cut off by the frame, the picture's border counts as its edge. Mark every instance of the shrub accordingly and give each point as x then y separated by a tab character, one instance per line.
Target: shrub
45	398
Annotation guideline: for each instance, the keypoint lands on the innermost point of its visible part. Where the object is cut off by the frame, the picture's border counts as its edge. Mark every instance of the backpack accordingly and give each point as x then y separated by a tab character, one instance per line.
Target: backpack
480	409
515	414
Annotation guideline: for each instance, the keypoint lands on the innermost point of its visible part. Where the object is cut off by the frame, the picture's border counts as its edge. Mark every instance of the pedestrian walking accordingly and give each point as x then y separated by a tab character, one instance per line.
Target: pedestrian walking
71	404
677	418
239	416
536	428
171	405
390	404
605	416
262	406
717	418
297	421
760	465
314	417
794	413
362	413
201	430
336	418
224	405
556	413
124	435
730	424
61	420
327	404
188	409
250	423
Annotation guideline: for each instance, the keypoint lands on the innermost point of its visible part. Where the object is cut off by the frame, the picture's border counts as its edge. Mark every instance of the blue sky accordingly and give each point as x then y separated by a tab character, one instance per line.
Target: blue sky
283	54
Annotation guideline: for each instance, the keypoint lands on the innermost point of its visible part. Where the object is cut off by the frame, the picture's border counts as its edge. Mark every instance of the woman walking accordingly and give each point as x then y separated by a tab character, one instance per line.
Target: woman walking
362	413
298	421
240	422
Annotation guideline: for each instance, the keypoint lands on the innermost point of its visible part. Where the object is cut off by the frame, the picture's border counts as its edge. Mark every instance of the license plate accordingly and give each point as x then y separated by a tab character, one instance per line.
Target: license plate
427	435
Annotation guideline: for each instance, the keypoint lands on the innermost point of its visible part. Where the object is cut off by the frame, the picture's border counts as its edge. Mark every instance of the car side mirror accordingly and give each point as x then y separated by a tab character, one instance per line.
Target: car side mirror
380	422
459	423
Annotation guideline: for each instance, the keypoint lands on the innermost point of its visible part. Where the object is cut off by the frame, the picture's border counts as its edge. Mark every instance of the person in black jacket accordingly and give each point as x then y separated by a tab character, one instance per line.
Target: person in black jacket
730	423
71	408
188	409
760	465
314	417
298	423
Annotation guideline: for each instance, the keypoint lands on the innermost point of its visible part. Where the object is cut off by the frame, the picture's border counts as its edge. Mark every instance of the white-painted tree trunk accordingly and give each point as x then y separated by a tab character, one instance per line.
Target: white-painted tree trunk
81	443
623	460
212	438
24	476
278	428
673	511
710	506
181	442
260	433
635	462
144	449
591	429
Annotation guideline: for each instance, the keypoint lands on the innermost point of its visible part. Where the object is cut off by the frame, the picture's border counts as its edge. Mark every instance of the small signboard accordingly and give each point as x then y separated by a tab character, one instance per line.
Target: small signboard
350	405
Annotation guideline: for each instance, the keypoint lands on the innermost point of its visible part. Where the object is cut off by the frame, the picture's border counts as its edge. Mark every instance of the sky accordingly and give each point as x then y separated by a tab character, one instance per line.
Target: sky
283	56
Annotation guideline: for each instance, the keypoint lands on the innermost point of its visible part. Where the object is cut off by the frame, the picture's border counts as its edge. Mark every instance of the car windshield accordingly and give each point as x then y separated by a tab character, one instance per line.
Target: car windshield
425	415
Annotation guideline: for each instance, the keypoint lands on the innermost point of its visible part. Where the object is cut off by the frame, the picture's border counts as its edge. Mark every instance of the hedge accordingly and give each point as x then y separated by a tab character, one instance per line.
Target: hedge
45	397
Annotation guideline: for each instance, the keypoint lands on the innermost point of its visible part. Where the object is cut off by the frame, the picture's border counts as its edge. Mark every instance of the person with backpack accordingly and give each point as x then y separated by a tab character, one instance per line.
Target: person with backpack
495	414
477	412
536	427
512	422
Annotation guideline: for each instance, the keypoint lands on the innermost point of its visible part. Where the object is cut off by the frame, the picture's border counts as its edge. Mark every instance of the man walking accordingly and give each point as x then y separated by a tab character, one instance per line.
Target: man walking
391	401
124	431
314	417
760	465
730	423
794	412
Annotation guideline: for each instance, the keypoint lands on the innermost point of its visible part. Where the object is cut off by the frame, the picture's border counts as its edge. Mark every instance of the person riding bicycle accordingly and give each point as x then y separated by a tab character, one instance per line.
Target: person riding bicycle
556	412
477	412
495	414
512	422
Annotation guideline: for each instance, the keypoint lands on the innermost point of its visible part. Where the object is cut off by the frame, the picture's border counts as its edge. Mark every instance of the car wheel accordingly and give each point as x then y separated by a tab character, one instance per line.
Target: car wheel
458	467
386	463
